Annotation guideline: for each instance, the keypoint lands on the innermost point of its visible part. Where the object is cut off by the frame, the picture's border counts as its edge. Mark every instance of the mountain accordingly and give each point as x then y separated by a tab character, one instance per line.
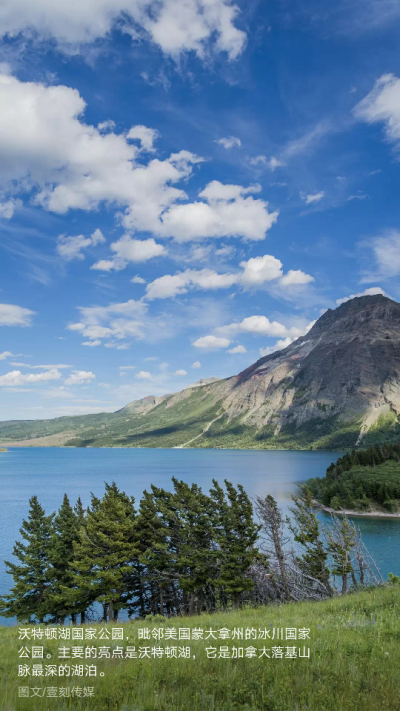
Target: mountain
337	387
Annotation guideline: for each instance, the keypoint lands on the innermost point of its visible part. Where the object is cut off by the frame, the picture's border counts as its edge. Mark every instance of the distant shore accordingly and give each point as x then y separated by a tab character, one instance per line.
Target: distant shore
350	512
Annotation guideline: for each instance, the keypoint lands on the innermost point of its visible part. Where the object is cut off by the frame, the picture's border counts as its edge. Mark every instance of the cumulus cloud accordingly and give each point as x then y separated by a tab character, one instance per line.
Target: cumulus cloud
261	269
312	197
255	272
278	346
15	378
296	277
180	372
71	247
171	285
78	377
229	142
116	321
12	315
176	27
237	349
138	280
372	291
46	146
382	105
262	326
226	211
211	342
196	364
5	354
146	137
143	375
130	250
92	344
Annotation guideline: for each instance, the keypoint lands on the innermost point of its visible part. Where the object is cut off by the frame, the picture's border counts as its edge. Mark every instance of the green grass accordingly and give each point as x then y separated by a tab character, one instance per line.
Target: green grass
354	664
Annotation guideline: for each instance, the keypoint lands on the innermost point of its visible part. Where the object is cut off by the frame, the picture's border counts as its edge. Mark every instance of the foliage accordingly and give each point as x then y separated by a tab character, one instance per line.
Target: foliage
362	478
353	664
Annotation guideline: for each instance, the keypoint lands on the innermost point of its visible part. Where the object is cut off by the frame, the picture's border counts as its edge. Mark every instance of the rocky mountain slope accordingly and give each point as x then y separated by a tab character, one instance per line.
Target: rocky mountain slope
336	387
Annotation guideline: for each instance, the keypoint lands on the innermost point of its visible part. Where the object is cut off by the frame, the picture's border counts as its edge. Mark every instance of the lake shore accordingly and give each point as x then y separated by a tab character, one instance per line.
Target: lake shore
350	512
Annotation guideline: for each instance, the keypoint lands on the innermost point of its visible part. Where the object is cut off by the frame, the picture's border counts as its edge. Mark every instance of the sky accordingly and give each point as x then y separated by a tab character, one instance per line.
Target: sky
185	187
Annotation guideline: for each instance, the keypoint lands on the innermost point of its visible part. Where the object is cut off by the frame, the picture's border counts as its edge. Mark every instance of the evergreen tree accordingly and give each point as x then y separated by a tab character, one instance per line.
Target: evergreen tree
307	533
236	535
274	530
65	535
103	556
30	596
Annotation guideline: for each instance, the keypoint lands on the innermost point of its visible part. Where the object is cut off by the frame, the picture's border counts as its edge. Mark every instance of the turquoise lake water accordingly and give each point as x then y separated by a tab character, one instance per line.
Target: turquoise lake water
49	472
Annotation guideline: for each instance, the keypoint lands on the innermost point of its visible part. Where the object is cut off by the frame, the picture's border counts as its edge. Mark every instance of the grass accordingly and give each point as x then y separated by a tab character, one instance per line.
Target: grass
354	663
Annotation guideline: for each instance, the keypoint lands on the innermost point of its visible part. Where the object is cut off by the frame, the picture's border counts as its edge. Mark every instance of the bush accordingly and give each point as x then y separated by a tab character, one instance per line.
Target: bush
390	505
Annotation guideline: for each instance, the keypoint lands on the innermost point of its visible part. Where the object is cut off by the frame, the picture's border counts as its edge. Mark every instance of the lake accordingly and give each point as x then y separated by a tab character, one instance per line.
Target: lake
49	472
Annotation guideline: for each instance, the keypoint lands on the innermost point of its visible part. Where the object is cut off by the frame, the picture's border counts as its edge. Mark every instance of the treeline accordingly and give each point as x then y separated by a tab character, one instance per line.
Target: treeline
180	552
348	485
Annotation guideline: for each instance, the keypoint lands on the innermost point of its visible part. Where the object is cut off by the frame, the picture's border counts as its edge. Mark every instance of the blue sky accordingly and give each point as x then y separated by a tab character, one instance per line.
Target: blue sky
186	186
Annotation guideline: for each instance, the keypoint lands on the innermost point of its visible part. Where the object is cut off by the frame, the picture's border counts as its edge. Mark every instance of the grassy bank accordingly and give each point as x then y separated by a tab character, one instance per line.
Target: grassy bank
353	664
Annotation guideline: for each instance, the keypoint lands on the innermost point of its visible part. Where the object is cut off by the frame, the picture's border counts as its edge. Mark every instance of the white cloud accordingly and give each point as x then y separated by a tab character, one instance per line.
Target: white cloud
262	326
111	322
92	344
171	285
5	354
256	271
261	269
8	208
227	211
130	250
146	137
107	125
138	280
128	367
372	291
59	366
386	249
196	364
296	277
271	163
175	26
71	247
16	378
237	349
229	142
360	196
180	372
143	375
278	346
382	105
67	164
312	197
11	315
211	342
78	377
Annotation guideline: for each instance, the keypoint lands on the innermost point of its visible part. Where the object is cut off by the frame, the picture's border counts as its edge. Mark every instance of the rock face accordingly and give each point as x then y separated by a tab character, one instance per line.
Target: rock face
336	387
347	367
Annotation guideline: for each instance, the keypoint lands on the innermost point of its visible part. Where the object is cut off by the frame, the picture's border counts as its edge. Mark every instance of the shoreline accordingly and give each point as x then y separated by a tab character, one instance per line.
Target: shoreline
350	512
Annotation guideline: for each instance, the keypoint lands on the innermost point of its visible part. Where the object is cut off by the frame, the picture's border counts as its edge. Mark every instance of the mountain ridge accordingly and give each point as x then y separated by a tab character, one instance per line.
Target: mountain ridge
336	387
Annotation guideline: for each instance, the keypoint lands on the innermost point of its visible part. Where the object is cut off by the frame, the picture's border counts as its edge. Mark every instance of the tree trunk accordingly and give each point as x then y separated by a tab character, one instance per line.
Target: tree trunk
62	620
115	615
104	612
73	619
83	620
344	584
192	604
161	602
110	611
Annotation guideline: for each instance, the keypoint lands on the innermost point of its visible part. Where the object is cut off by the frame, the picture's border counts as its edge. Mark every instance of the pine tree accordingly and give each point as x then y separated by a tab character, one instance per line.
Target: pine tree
274	531
30	596
313	562
66	533
103	555
236	535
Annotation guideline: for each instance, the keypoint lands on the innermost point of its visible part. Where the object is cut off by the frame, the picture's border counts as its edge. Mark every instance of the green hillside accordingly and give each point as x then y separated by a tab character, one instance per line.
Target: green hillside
364	480
353	664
